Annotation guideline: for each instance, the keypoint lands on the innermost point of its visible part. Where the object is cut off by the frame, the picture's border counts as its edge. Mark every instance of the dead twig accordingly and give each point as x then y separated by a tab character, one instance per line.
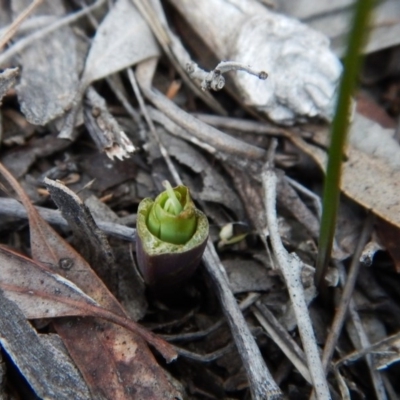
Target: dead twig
153	131
17	22
221	141
243	125
12	208
290	266
363	342
214	80
341	312
392	341
189	336
282	339
262	385
173	48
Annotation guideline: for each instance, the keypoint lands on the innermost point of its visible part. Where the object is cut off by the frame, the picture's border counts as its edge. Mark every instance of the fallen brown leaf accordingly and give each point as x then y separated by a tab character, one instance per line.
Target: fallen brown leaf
370	174
115	363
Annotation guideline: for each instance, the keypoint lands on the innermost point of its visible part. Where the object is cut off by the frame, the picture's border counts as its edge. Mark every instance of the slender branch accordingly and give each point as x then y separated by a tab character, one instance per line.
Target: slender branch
290	266
202	131
363	341
214	80
282	338
17	22
262	385
340	315
156	137
12	208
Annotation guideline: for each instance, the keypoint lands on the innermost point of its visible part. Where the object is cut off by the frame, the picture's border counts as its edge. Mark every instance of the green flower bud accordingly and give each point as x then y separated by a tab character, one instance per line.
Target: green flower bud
172	218
171	236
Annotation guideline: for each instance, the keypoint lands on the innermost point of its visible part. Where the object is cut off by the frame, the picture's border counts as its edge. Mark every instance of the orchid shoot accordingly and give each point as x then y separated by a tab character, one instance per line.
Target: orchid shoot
171	236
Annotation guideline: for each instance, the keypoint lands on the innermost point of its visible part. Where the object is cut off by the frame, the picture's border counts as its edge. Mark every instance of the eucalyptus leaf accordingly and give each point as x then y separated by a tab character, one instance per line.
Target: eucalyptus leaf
122	40
50	73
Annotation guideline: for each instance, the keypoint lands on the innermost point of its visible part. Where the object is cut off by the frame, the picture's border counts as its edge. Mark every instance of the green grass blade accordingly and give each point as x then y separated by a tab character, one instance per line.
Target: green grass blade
340	125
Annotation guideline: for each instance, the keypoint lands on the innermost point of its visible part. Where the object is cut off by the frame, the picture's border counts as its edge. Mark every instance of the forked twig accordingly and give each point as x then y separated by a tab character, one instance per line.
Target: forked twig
214	79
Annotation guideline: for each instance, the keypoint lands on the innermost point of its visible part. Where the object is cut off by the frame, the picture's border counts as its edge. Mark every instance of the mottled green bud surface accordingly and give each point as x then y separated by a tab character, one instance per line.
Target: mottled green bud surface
172	217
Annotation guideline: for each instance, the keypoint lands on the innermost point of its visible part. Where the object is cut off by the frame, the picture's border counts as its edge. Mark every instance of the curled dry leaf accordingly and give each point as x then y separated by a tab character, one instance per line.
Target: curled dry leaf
303	72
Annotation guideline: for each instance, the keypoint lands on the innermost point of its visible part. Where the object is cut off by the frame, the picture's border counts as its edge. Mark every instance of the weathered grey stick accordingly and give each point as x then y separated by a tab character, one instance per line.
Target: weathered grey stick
290	266
219	140
282	338
262	385
347	294
12	208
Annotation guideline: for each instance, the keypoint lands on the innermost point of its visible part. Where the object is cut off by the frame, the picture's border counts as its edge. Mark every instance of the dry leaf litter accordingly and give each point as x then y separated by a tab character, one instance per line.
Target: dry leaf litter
100	103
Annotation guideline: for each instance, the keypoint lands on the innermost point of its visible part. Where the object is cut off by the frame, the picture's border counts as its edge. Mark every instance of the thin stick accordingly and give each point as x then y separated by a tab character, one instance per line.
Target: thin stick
204	132
17	22
239	124
392	341
190	336
163	150
340	315
214	79
262	385
290	266
282	339
12	208
364	342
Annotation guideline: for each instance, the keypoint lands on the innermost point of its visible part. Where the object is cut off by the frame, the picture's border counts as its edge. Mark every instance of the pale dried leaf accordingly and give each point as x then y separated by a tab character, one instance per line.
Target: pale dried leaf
333	18
371	170
303	72
38	292
49	77
48	371
122	39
